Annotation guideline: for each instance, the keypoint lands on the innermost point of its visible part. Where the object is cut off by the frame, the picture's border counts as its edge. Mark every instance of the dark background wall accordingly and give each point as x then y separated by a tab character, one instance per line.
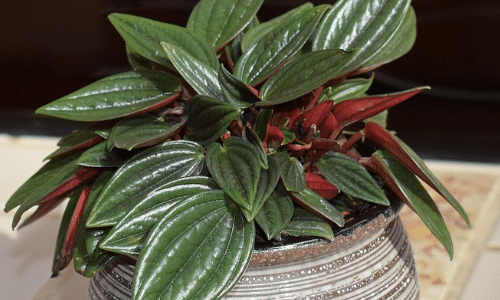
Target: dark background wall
51	48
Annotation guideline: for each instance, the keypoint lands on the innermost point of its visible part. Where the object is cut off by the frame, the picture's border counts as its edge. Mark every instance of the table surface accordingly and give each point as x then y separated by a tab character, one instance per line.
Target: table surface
26	255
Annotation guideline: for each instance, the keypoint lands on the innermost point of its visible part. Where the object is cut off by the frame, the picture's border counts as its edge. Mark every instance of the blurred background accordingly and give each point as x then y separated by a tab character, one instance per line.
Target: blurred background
51	48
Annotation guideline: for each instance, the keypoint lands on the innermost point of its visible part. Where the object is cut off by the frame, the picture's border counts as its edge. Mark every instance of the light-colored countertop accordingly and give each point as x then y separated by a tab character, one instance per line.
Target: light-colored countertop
26	255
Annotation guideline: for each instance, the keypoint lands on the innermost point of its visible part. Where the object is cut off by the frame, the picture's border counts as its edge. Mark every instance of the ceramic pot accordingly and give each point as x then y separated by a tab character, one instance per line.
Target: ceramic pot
368	260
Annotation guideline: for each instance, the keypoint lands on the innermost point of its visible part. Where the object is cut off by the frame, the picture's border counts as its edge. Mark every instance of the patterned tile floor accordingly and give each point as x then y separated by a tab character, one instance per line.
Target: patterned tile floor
473	274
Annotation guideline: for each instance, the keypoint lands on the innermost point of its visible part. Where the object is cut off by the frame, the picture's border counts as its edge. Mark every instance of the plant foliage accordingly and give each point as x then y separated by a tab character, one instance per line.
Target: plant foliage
225	130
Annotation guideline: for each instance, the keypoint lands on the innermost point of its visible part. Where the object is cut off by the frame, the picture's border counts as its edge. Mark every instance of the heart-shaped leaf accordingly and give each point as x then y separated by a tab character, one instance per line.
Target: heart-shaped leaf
144	36
304	223
364	25
304	74
319	206
208	118
410	190
199	75
400	43
349	89
276	212
350	177
235	167
142	131
100	156
272	50
129	235
292	172
257	32
219	21
198	250
116	96
141	174
235	91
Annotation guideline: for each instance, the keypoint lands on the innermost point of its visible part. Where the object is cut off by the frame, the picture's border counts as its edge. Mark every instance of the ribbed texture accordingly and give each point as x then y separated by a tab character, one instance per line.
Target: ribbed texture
379	268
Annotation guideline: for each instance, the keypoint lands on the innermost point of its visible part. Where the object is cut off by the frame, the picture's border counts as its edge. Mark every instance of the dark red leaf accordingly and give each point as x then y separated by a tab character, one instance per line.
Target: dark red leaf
321	186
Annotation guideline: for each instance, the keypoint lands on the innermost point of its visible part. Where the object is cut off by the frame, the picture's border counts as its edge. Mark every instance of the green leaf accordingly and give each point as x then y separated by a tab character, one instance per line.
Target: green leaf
235	167
115	96
252	137
202	77
219	21
304	223
142	131
350	177
260	126
61	257
140	63
129	235
100	156
233	49
275	213
141	174
349	89
257	32
304	74
208	118
292	172
144	36
235	91
400	43
364	25
319	206
47	179
380	118
198	250
273	50
75	141
267	182
417	197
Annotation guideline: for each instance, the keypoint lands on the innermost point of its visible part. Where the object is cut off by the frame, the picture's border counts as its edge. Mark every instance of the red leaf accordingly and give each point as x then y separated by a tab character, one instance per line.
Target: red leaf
274	134
321	186
41	211
313	116
351	111
328	126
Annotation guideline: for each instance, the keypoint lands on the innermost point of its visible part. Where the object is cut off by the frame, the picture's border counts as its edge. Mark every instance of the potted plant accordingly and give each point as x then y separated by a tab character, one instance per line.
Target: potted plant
228	133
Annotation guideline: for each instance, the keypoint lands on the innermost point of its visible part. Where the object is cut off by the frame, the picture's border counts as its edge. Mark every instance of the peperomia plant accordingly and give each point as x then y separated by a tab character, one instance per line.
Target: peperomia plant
227	130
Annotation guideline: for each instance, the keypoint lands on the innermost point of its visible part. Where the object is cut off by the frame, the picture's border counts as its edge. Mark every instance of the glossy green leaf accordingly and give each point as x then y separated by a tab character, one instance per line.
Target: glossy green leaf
140	63
47	179
257	32
233	49
115	96
304	223
202	77
219	21
208	118
319	206
129	235
276	213
236	168
198	250
252	137
76	141
351	88
351	178
400	43
417	197
267	183
292	172
61	258
100	156
142	131
144	36
272	50
141	174
235	90
364	25
260	126
89	268
304	74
